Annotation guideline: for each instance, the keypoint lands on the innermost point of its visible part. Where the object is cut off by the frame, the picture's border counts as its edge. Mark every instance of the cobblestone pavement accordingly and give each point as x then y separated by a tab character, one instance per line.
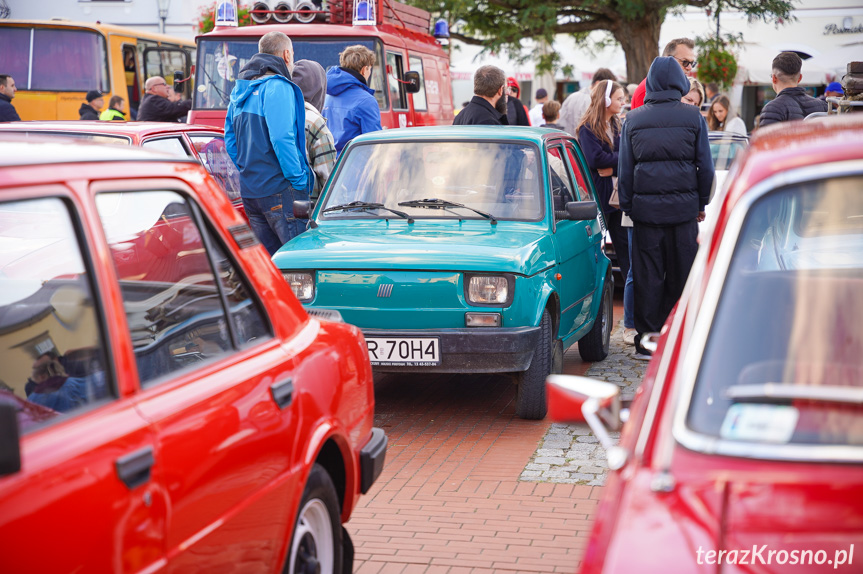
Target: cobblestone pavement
570	454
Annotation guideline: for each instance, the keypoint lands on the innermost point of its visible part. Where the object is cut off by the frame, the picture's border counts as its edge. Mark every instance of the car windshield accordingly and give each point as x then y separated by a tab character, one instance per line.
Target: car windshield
501	180
220	60
724	151
782	361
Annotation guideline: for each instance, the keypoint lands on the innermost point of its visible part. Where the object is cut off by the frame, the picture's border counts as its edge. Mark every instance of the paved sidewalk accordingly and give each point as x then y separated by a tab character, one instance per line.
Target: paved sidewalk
570	454
453	498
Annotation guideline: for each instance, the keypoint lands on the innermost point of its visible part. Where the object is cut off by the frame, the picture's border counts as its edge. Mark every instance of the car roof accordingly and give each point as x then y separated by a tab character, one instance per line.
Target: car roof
783	147
100	127
18	151
462	132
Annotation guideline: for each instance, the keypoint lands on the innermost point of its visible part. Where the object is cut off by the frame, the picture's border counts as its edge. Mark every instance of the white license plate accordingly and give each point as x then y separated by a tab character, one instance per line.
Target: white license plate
404	351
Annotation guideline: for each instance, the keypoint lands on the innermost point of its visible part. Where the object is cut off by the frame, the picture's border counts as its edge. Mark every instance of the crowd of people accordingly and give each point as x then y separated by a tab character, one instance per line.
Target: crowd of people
652	169
287	122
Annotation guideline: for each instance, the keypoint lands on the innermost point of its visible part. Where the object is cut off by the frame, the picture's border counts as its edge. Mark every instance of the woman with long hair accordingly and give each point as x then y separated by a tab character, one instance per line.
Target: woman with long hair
695	97
599	137
721	118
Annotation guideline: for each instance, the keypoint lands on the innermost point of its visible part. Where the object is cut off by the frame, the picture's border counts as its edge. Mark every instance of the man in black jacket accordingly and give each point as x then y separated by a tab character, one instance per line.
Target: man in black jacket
488	105
791	101
161	103
90	110
7	92
665	172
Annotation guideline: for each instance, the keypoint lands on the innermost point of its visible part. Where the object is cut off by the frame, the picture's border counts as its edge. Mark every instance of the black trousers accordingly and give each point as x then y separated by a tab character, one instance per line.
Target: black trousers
620	240
661	260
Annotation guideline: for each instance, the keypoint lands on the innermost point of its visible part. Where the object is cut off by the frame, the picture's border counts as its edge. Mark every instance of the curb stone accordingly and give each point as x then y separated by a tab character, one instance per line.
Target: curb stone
571	454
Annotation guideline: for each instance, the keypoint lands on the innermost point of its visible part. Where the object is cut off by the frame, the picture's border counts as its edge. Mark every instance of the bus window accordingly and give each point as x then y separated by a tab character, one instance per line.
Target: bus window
164	62
420	104
15	47
133	85
394	75
59	60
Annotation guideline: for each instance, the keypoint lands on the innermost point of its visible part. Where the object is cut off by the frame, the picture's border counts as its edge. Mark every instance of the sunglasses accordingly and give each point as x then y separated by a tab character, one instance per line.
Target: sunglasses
687	63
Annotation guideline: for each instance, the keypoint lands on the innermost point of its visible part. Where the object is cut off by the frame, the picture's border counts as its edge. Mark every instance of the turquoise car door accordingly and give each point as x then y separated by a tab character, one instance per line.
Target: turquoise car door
572	243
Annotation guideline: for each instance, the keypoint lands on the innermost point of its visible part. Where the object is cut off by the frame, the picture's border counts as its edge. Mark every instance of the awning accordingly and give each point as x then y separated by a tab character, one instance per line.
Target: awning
754	66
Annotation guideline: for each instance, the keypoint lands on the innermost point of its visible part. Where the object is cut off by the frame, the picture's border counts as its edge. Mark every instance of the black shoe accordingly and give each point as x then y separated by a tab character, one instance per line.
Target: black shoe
639	350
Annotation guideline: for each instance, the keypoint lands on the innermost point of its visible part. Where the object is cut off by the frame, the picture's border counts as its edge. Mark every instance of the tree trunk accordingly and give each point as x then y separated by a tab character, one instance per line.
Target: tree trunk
640	42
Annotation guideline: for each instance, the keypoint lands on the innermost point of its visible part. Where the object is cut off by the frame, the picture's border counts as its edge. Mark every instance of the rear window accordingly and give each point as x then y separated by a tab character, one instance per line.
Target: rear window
55	59
782	362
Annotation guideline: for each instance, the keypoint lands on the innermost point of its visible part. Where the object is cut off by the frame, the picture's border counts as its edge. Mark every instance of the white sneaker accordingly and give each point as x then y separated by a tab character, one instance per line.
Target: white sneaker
629	336
641	357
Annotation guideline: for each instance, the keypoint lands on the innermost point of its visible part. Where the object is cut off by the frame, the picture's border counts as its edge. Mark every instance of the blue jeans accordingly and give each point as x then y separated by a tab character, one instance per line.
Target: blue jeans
273	226
629	292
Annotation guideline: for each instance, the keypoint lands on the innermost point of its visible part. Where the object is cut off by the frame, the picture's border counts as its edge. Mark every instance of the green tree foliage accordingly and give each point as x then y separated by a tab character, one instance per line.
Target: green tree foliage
501	25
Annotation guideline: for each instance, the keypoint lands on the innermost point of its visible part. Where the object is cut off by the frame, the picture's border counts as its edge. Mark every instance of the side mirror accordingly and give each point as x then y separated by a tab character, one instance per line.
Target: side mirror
302	209
178	81
577	399
412	82
581	210
10	446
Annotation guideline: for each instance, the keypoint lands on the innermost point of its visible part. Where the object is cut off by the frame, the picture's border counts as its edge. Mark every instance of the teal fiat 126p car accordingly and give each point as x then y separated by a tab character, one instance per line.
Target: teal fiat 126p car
460	250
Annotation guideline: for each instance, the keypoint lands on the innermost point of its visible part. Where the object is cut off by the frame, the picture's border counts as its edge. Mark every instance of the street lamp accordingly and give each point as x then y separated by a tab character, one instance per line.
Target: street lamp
163	14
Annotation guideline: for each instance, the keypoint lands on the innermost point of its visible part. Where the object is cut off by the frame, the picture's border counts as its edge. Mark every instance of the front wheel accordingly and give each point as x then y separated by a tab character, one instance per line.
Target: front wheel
594	346
316	546
530	400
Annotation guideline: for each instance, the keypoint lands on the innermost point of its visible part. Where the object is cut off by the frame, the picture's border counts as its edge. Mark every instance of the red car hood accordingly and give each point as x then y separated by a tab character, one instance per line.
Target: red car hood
779	517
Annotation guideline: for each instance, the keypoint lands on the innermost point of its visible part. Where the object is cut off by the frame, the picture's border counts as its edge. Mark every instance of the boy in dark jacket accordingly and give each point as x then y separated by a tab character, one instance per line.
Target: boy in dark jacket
665	173
791	101
90	110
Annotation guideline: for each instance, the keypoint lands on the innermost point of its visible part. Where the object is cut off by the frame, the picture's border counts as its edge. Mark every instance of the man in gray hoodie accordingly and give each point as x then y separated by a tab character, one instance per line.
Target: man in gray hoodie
320	146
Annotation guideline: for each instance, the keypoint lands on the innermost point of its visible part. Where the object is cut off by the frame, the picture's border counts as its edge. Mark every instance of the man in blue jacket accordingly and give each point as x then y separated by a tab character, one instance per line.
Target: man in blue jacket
265	137
350	107
665	172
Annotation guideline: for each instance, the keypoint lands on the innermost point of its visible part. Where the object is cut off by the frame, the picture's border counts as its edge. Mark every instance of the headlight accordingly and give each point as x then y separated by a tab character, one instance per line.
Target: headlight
302	284
490	290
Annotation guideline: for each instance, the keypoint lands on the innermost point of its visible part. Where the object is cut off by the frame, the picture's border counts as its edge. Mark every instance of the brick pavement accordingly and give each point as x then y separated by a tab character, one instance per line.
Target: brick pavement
453	498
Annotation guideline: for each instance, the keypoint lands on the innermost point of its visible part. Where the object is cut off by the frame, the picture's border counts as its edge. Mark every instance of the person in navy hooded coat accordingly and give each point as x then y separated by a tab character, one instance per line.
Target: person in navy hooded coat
665	173
265	136
350	107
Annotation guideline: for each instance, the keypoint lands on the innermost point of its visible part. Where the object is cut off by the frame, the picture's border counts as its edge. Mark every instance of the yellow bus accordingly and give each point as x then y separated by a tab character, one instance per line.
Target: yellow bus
56	62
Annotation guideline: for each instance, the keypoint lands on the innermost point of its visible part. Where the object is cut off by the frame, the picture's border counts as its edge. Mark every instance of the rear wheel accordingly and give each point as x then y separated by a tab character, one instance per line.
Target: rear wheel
530	400
594	346
316	546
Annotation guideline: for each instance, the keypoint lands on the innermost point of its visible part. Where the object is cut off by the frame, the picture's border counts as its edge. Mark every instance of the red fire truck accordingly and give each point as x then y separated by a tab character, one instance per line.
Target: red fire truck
411	79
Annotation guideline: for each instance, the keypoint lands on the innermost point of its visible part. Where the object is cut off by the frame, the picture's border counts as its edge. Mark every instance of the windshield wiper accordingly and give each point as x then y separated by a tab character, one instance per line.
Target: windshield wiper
433	203
364	206
779	392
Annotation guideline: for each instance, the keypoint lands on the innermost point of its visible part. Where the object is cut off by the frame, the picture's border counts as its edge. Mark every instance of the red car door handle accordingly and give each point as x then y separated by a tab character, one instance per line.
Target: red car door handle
283	393
134	468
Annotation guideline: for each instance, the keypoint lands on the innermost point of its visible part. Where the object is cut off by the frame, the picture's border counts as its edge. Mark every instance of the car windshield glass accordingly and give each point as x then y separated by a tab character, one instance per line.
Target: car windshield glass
782	360
724	152
498	179
220	60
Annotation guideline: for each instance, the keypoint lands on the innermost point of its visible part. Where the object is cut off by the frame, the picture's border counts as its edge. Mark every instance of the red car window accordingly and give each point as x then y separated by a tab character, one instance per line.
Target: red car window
172	300
50	336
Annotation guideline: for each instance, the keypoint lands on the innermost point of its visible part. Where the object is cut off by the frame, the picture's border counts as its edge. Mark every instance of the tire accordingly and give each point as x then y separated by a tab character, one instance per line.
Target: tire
594	346
530	400
316	545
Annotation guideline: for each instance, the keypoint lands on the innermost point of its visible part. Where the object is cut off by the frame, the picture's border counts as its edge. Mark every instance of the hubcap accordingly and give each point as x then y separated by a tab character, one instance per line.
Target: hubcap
313	547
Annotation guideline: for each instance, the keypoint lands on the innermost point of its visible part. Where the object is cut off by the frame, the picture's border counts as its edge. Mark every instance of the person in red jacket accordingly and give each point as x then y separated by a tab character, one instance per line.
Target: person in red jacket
516	111
682	50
